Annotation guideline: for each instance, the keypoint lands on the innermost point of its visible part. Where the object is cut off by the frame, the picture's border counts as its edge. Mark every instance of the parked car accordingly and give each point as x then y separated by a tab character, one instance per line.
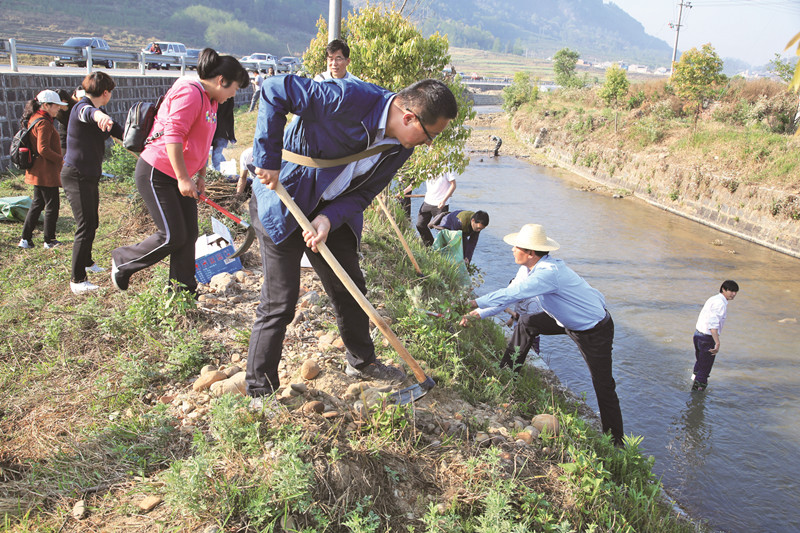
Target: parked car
260	61
193	54
82	42
167	48
290	63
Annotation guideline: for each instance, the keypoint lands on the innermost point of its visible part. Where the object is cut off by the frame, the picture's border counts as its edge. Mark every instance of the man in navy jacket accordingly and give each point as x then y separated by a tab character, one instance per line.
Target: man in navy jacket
333	119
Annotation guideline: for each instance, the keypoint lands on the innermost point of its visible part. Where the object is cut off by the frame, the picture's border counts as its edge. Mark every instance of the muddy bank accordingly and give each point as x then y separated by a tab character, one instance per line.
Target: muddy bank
768	216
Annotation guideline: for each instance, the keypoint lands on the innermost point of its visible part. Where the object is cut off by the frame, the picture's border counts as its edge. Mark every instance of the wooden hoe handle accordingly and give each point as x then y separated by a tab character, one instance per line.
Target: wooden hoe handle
351	286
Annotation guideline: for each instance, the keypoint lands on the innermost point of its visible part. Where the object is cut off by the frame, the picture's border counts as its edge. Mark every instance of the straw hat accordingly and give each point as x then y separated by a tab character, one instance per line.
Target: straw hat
532	237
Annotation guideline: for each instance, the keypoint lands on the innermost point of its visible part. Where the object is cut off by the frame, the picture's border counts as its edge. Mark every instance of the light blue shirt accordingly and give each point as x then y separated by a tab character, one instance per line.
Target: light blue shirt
562	293
528	306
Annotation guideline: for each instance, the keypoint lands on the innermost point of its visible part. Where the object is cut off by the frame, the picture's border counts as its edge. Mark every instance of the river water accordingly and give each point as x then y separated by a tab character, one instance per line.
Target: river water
729	456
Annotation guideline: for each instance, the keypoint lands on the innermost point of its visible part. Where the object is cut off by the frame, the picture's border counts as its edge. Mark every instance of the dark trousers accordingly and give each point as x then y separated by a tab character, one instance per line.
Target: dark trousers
83	193
175	216
705	360
45	199
254	99
595	345
280	264
425	214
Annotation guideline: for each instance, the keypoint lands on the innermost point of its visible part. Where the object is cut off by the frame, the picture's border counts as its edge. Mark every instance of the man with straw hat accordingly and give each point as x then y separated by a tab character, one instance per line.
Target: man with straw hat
571	307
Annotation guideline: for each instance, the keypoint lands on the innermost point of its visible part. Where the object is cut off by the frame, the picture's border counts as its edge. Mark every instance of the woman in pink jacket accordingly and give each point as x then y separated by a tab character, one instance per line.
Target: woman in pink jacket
171	171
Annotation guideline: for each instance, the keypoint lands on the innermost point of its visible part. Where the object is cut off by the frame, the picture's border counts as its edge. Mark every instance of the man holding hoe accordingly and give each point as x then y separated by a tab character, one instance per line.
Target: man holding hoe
340	118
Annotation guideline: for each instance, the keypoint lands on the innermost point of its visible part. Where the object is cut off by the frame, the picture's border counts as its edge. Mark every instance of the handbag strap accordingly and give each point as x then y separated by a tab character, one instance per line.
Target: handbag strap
327	163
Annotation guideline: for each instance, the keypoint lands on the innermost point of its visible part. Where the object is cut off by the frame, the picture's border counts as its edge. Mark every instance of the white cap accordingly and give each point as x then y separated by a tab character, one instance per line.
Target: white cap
49	97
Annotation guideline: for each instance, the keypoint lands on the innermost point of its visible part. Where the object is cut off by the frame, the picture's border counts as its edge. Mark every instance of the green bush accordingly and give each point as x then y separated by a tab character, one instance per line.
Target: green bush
119	162
521	91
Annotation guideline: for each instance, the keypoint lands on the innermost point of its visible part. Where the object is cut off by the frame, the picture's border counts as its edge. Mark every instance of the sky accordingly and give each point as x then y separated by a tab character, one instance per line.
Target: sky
750	30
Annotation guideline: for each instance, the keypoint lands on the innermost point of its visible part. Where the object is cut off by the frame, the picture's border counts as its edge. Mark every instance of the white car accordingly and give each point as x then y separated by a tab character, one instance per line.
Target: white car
260	61
167	48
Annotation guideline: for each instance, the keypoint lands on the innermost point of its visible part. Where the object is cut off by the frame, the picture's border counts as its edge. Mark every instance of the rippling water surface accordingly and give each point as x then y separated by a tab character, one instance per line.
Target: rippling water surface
730	456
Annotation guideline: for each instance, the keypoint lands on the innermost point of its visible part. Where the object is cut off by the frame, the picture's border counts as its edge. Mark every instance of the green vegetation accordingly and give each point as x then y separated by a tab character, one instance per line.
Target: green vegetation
564	62
105	353
387	49
520	92
698	76
742	130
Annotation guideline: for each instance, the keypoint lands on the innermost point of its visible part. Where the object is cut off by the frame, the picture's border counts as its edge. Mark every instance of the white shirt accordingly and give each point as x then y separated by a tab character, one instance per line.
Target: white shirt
322	76
713	314
362	166
436	188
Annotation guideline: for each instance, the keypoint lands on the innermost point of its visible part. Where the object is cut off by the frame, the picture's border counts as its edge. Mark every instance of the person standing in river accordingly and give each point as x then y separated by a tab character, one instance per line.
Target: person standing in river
707	332
571	307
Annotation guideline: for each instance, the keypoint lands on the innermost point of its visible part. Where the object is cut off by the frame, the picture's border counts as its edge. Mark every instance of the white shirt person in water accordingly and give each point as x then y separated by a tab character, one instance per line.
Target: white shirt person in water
708	329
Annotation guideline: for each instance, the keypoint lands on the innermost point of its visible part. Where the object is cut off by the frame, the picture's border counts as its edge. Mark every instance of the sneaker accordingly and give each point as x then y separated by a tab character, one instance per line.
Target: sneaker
95	269
52	244
119	283
699	387
267	405
25	243
83	287
376	370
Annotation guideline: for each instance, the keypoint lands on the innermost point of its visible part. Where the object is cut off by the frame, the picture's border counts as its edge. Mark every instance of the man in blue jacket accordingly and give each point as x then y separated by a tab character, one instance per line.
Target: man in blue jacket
333	119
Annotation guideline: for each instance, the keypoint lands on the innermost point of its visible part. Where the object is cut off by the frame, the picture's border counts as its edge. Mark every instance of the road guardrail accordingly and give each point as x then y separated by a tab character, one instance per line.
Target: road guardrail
13	48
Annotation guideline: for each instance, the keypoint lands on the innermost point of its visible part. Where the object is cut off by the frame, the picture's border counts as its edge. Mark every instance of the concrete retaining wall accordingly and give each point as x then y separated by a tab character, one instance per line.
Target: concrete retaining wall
16	89
744	211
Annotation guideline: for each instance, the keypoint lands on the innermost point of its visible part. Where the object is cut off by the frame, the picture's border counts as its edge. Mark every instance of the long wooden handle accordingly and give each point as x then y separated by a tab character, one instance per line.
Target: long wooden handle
351	286
400	235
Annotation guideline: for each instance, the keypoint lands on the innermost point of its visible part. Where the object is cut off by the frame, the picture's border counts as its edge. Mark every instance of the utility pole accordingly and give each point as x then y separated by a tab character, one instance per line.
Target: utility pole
677	28
334	19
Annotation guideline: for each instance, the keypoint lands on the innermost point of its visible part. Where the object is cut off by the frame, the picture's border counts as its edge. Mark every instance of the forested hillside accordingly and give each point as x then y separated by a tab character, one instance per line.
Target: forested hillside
538	29
232	26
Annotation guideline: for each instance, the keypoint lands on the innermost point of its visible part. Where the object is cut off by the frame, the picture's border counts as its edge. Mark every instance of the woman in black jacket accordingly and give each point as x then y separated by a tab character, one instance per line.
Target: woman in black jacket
89	127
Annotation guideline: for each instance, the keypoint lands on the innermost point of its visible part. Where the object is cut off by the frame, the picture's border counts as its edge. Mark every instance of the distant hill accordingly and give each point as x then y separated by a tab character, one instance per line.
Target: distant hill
232	26
598	31
538	28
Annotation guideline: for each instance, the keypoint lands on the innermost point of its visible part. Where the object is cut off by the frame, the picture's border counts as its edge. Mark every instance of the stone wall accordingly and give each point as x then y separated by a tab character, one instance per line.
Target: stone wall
16	89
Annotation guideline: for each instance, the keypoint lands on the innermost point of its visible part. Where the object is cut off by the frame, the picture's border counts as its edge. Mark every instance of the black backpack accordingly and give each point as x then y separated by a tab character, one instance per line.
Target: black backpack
140	120
22	153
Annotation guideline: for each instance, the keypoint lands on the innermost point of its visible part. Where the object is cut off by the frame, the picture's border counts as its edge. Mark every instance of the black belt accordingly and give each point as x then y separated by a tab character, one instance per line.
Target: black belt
600	324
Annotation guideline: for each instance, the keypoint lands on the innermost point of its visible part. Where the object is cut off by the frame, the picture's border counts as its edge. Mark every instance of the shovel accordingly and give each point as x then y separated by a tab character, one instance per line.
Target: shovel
407	395
399	235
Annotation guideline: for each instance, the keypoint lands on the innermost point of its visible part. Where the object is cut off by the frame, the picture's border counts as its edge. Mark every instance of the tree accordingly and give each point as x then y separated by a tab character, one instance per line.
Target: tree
781	68
615	87
697	76
388	50
521	91
564	62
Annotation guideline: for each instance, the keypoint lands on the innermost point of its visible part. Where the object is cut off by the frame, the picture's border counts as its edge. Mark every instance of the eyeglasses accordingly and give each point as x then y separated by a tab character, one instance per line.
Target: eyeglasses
337	59
421	125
